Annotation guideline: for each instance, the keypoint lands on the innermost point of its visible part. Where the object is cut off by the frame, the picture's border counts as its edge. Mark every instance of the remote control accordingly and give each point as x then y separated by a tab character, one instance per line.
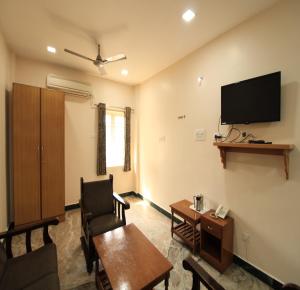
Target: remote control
259	142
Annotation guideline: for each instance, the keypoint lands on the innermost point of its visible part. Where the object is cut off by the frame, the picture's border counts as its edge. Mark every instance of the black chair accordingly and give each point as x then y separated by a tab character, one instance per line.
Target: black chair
102	210
34	270
201	276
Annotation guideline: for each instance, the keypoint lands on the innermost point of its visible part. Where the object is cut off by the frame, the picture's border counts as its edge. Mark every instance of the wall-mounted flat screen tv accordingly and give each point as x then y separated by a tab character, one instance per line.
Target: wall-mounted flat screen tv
251	101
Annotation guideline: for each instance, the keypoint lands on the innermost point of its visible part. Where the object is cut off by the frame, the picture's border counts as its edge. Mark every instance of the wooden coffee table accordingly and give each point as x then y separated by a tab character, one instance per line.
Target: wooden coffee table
130	260
187	229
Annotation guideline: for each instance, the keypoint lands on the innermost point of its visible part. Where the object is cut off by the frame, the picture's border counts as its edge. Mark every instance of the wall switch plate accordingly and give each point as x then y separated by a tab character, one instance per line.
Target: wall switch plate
200	135
162	139
245	237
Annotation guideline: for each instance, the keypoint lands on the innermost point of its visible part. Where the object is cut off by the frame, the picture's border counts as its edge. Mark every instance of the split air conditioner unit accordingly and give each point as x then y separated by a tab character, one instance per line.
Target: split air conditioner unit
69	86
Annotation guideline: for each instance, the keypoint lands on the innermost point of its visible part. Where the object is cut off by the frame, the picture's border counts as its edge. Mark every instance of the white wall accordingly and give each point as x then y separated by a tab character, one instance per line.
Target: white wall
80	124
6	77
172	166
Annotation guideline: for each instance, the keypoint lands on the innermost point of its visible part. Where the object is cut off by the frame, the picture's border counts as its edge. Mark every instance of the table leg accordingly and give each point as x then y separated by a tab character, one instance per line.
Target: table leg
172	224
194	239
167	281
97	275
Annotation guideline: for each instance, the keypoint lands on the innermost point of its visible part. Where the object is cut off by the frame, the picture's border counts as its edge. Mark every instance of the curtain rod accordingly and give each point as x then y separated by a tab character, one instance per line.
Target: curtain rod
118	109
110	108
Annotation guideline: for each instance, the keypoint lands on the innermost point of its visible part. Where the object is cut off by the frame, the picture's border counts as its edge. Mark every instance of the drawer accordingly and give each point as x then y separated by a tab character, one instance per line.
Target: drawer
212	228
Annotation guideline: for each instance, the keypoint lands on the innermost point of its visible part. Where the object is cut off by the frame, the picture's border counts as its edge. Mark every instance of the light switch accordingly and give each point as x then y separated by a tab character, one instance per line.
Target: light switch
200	135
162	139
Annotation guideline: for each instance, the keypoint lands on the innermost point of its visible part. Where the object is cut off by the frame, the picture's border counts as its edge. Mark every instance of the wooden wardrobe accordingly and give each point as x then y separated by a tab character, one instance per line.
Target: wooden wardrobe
37	137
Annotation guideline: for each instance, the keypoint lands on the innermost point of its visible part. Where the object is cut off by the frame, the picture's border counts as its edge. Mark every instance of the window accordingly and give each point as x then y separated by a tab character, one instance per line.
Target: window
115	139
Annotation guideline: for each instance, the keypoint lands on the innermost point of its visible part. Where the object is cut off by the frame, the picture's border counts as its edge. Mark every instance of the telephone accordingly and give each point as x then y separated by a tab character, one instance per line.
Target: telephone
221	211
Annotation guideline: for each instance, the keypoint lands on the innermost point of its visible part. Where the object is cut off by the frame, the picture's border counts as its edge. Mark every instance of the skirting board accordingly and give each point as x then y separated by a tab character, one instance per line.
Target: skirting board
237	260
161	210
72	206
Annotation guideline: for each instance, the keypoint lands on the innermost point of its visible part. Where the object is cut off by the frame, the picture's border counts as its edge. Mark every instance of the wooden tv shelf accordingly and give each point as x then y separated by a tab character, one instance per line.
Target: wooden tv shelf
270	149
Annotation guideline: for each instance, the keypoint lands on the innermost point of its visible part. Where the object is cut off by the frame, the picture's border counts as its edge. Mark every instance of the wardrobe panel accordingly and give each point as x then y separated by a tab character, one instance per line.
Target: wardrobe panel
53	158
26	153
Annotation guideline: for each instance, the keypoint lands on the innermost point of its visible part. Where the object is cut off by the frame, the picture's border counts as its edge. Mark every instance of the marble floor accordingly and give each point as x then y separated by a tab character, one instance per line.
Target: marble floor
156	227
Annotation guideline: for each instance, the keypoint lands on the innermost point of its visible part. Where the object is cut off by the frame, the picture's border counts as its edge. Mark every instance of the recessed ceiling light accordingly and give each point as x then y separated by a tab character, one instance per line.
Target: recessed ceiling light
51	49
188	15
124	72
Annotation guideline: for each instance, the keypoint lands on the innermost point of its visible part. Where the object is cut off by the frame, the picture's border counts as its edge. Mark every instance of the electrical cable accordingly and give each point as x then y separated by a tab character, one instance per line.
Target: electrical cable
234	140
223	139
237	137
247	136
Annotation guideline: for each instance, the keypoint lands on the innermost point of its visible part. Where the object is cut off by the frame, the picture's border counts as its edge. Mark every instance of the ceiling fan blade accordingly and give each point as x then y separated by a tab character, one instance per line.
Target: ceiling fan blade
115	58
78	54
101	70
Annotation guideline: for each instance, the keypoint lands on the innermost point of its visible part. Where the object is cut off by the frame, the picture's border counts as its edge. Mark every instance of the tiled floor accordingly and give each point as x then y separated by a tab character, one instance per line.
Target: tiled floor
156	227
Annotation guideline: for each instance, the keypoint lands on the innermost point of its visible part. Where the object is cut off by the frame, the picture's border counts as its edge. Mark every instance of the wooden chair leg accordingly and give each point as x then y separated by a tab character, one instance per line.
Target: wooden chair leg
87	255
89	266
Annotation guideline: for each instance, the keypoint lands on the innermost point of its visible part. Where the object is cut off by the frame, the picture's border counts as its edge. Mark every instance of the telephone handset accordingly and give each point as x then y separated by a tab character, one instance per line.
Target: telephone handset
221	211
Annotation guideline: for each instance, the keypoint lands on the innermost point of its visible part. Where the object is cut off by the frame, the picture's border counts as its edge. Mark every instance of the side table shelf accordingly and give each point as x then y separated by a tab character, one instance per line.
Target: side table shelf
269	149
187	230
187	233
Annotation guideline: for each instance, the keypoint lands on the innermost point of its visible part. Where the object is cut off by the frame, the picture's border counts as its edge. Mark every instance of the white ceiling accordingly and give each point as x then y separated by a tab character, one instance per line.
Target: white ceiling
150	32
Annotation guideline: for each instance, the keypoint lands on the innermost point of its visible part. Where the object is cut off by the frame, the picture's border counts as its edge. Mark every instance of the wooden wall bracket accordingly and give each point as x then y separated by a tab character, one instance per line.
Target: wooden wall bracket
269	149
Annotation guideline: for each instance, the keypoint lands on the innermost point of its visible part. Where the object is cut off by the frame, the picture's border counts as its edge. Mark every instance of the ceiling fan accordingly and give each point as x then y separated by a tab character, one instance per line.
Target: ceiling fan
99	61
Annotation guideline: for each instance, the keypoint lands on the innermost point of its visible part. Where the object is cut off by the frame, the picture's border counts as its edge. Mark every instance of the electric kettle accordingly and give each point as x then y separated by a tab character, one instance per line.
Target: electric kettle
198	202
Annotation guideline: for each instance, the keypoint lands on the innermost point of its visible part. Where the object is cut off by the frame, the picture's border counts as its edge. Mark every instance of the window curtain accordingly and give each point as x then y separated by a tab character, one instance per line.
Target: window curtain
127	166
101	145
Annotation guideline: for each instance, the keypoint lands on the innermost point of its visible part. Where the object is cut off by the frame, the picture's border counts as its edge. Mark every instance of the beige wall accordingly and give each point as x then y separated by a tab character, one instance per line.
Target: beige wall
80	123
6	77
172	166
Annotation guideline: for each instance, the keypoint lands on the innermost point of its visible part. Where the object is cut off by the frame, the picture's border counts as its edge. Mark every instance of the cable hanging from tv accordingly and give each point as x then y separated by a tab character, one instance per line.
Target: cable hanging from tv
240	137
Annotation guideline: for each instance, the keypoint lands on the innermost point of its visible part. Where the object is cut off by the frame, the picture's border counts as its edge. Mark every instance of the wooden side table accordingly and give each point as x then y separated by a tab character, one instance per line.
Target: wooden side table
217	241
187	229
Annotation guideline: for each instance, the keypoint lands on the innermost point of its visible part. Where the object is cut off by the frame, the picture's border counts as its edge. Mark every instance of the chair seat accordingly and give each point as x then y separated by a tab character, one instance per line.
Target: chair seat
49	282
35	270
104	223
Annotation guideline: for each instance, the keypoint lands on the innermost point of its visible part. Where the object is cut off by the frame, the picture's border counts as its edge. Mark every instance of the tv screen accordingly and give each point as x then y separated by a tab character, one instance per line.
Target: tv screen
252	100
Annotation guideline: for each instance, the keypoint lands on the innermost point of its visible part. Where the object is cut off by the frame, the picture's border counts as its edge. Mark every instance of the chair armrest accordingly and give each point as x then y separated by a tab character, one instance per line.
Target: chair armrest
200	275
290	286
7	236
119	199
22	230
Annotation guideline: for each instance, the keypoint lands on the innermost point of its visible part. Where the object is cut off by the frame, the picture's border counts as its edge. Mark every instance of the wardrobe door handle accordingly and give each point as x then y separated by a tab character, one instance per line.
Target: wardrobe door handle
42	154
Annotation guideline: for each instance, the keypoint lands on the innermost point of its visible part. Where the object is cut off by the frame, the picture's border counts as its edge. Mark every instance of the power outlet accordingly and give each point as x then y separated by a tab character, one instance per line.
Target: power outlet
217	136
162	139
245	237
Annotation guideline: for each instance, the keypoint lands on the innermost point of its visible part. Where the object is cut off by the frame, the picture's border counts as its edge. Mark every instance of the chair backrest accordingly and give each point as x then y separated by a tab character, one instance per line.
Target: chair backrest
3	259
97	196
